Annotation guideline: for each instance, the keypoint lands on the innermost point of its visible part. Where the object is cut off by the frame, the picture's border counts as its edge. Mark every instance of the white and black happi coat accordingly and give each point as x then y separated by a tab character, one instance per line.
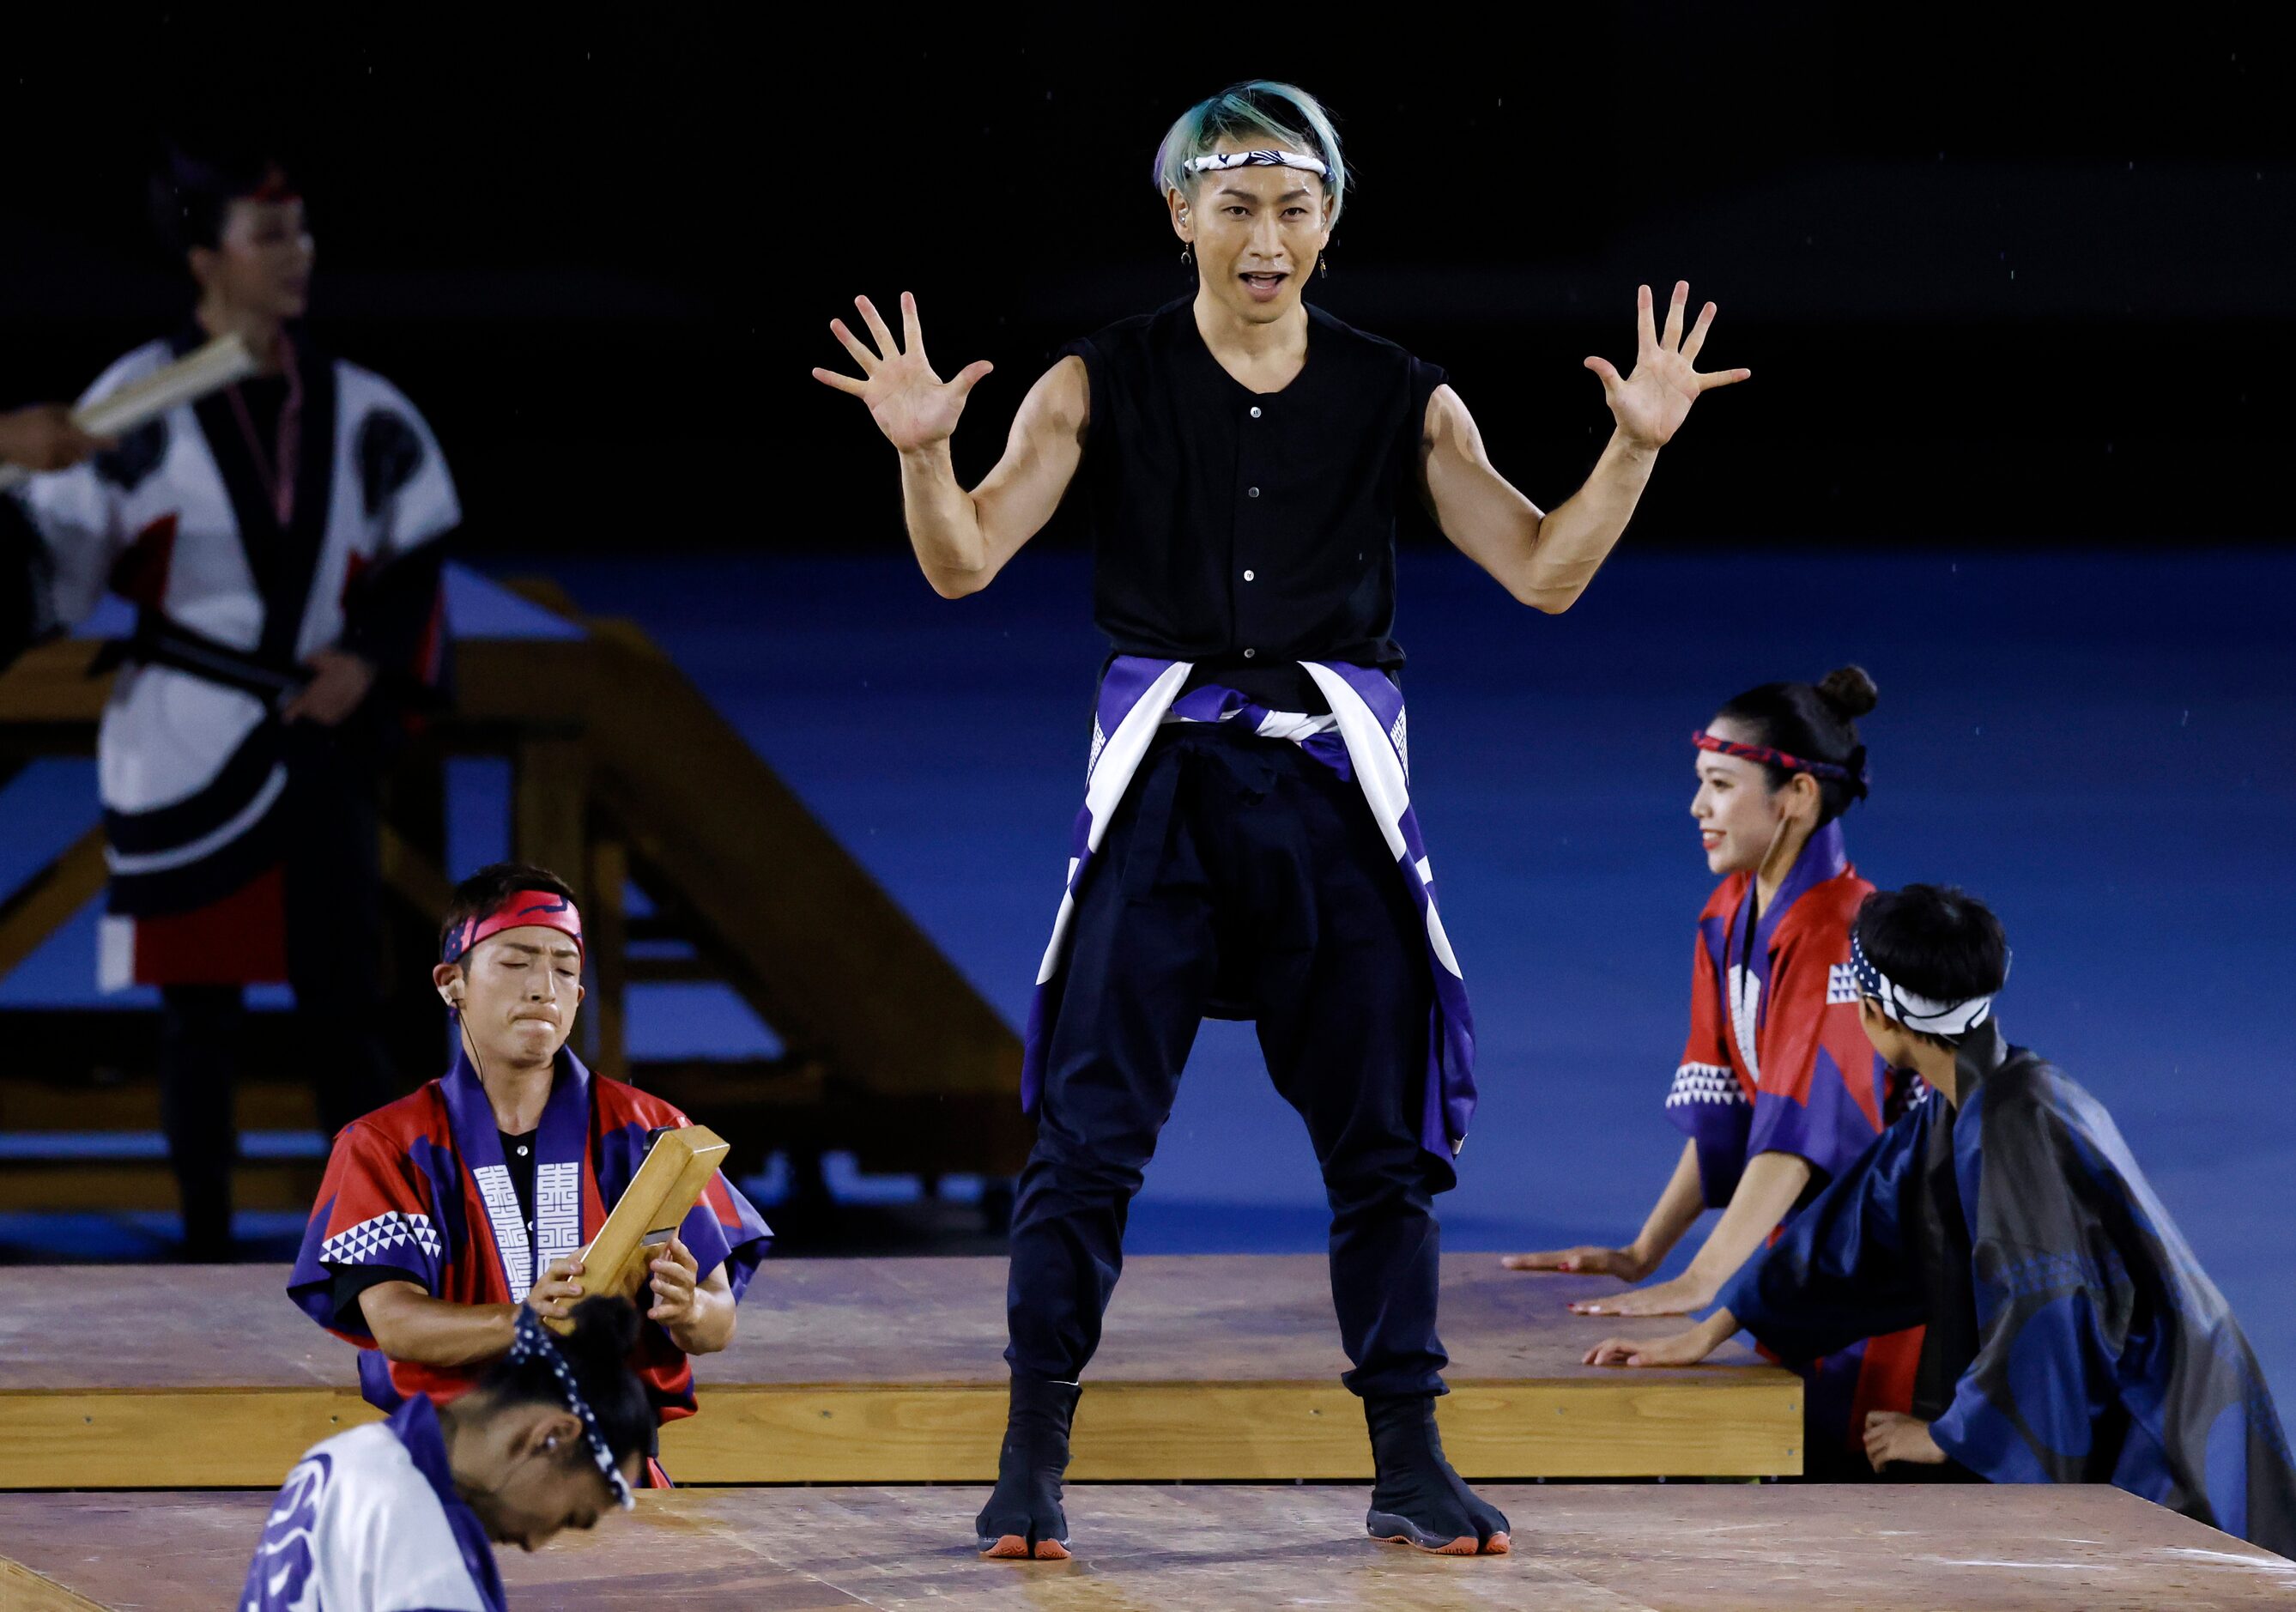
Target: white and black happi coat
177	519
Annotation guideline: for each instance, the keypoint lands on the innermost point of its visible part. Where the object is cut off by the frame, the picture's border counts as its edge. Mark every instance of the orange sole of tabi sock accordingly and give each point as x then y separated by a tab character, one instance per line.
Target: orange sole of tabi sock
1012	1546
1464	1545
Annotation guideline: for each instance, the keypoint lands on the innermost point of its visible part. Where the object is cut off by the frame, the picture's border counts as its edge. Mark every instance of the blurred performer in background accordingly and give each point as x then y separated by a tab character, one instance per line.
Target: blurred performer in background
1248	847
280	543
397	1515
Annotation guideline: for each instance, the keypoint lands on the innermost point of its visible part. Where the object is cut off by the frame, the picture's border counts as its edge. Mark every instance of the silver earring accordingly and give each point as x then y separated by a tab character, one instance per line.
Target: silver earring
1187	257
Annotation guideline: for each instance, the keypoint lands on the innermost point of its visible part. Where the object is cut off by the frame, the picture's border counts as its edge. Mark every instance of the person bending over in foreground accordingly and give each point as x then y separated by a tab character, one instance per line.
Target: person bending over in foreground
448	1215
1778	1092
395	1516
2072	1336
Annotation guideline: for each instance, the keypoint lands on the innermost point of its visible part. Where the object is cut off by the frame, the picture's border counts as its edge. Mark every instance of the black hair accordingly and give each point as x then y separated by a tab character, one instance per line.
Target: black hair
487	889
1936	942
1816	721
191	191
598	1352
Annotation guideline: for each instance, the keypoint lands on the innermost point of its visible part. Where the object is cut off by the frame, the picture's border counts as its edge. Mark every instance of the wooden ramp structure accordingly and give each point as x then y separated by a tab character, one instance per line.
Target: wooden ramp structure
1609	1547
890	1371
622	774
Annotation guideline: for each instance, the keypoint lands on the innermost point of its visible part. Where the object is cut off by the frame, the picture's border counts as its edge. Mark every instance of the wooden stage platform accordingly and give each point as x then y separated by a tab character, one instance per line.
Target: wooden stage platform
1715	1548
890	1371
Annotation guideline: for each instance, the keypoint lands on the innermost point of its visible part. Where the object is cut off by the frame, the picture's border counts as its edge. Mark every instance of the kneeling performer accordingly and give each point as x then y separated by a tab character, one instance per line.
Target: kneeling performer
1248	848
2072	1337
448	1215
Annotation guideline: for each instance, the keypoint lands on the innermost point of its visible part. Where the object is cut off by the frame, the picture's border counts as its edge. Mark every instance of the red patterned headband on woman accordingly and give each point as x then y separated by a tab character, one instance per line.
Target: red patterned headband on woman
520	910
1779	758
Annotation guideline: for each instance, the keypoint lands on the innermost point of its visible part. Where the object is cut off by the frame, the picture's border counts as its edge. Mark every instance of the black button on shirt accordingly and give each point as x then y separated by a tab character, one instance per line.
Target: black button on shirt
1247	531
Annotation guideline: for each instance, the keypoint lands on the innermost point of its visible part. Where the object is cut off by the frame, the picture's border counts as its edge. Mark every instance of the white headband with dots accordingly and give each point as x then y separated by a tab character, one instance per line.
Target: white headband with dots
530	1341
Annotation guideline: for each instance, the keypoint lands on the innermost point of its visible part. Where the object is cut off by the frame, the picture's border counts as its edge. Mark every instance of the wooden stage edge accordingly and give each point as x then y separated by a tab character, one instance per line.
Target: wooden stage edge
890	1371
1717	1548
926	1433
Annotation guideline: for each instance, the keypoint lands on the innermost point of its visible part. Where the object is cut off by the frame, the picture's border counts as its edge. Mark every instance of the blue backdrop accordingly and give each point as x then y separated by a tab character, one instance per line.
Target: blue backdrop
2103	748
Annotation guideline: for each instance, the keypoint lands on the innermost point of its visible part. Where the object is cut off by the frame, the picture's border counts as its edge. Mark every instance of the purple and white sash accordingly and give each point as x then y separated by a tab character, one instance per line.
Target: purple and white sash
1364	737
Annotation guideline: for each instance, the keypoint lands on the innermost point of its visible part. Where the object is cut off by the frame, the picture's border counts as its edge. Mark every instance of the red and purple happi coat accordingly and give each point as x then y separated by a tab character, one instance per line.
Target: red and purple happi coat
419	1187
1776	1062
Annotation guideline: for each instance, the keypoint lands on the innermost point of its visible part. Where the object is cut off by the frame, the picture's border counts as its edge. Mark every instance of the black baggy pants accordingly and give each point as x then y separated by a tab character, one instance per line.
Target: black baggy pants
1240	878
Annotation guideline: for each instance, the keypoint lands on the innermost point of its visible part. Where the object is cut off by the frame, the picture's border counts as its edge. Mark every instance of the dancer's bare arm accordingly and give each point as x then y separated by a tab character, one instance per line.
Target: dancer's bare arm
1677	1211
1546	558
1765	1195
963	538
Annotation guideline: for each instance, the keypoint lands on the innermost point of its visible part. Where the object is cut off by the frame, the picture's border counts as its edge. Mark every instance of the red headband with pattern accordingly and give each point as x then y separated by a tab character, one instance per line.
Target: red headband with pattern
520	910
1792	763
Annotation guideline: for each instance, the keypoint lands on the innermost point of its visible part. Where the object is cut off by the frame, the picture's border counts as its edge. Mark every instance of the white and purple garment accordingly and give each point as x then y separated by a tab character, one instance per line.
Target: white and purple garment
369	1521
1363	738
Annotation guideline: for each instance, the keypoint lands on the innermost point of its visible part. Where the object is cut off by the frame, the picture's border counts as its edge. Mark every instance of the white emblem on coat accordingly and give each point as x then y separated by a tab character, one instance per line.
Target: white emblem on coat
1746	1017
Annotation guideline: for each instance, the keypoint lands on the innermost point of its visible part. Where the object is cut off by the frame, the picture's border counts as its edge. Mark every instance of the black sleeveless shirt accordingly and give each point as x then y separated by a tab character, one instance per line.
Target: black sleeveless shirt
1247	531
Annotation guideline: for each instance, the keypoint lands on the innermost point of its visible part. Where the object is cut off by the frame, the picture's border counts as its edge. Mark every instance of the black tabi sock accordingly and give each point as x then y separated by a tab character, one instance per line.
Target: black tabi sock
1414	1495
1027	1501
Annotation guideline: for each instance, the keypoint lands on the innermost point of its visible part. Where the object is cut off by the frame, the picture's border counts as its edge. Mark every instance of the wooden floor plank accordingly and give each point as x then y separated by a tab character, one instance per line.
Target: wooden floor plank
1716	1547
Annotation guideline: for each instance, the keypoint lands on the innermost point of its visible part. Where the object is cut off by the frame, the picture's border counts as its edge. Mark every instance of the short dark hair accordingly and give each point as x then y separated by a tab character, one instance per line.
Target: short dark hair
489	886
1936	942
191	191
1816	721
598	1352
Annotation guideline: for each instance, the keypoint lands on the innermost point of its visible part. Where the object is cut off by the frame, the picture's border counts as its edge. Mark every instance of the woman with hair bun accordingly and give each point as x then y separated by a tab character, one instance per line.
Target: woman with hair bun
1778	1091
400	1514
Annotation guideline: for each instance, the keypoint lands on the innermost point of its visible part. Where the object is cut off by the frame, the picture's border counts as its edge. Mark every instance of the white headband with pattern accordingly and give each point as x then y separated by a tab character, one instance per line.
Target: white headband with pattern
1914	1011
1216	161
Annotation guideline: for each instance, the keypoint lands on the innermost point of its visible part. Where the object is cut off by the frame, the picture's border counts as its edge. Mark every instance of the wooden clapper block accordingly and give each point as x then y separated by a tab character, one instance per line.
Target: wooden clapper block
671	1181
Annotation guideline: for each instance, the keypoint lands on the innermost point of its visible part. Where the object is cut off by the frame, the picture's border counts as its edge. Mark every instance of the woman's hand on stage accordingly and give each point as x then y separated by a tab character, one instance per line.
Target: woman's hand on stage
1651	404
1682	1349
1676	1298
1628	1264
1892	1436
43	438
554	1297
915	407
339	681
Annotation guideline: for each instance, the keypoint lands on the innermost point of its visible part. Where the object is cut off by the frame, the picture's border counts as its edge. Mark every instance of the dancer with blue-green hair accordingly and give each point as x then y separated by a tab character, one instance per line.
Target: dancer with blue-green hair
1248	847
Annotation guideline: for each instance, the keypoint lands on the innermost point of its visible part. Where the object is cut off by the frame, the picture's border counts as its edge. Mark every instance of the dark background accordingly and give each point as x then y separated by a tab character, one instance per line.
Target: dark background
2004	276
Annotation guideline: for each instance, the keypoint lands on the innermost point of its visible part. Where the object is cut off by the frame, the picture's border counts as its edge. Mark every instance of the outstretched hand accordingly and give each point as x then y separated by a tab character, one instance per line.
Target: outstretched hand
1651	404
1676	1298
1682	1349
913	407
1587	1260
